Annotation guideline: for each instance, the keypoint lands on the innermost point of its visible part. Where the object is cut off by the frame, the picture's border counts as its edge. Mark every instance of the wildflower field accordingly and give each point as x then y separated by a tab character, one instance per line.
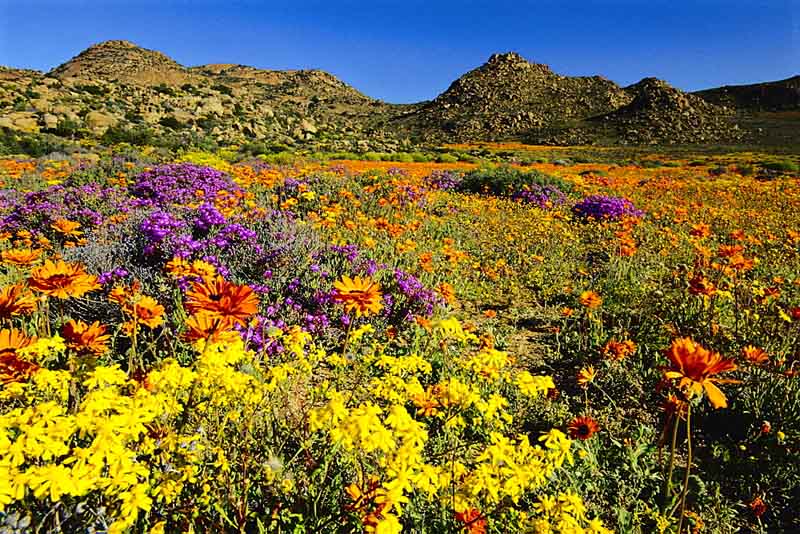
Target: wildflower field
208	343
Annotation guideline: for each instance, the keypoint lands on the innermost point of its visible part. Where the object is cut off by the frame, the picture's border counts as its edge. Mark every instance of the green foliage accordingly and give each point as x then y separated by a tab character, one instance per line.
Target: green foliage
35	145
505	180
224	89
172	122
139	136
781	166
96	90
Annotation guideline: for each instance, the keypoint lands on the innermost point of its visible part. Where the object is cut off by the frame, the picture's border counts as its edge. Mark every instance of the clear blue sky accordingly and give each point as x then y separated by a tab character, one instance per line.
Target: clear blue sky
406	51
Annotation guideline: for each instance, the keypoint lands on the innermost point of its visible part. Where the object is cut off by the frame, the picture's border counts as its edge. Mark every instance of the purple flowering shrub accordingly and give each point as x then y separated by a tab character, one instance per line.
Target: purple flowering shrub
543	196
181	183
604	207
443	180
288	264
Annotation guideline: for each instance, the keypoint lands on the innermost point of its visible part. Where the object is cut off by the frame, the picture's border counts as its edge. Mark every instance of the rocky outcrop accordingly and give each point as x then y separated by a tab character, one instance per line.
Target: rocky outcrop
508	97
782	95
661	114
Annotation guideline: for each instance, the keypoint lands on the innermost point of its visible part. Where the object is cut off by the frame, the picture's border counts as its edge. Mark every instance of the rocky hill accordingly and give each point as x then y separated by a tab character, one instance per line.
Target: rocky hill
661	114
117	86
118	91
509	97
782	95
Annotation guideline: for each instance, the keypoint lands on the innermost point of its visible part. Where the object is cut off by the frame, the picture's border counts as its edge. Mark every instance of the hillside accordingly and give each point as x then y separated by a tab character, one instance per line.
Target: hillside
781	95
508	97
661	114
118	85
117	91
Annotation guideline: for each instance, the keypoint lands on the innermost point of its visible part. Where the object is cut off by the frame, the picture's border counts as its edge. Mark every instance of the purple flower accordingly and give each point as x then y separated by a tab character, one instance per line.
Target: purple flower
605	207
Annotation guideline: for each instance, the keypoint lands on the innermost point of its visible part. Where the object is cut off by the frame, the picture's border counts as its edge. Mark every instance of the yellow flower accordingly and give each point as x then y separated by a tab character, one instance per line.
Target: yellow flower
586	375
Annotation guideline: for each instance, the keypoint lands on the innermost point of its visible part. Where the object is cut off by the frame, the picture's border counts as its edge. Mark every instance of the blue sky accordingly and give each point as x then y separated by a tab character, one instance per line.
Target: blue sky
411	50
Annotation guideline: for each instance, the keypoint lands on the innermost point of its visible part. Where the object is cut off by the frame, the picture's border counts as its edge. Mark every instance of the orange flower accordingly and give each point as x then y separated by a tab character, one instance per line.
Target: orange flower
741	263
12	367
590	299
754	355
726	251
583	428
427	404
700	285
144	310
567	312
757	506
694	366
14	300
700	230
66	227
447	292
619	350
359	295
490	314
208	326
586	375
178	268
86	338
222	299
62	280
473	520
20	256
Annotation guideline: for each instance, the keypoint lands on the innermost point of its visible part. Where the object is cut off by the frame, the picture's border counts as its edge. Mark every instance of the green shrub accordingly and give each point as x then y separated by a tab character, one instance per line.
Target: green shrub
781	166
171	122
506	180
447	158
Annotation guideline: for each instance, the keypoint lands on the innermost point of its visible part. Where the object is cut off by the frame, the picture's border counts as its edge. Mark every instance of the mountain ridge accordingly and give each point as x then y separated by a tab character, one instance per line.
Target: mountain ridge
117	85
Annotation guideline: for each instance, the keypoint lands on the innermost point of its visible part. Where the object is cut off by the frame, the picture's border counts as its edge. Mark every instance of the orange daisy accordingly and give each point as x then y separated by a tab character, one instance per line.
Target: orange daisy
86	338
590	300
15	300
359	295
755	355
586	375
618	350
66	227
693	365
583	428
474	521
208	326
21	257
62	280
144	310
12	367
700	285
222	299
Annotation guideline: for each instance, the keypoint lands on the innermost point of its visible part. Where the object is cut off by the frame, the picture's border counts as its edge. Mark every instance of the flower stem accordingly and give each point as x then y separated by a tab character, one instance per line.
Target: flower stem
667	494
688	465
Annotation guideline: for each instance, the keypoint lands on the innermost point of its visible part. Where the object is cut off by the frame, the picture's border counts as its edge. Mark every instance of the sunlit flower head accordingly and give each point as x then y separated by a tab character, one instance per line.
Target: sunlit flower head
66	227
62	280
582	428
359	295
755	355
590	300
21	257
208	326
86	338
16	300
223	299
586	375
12	367
694	366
